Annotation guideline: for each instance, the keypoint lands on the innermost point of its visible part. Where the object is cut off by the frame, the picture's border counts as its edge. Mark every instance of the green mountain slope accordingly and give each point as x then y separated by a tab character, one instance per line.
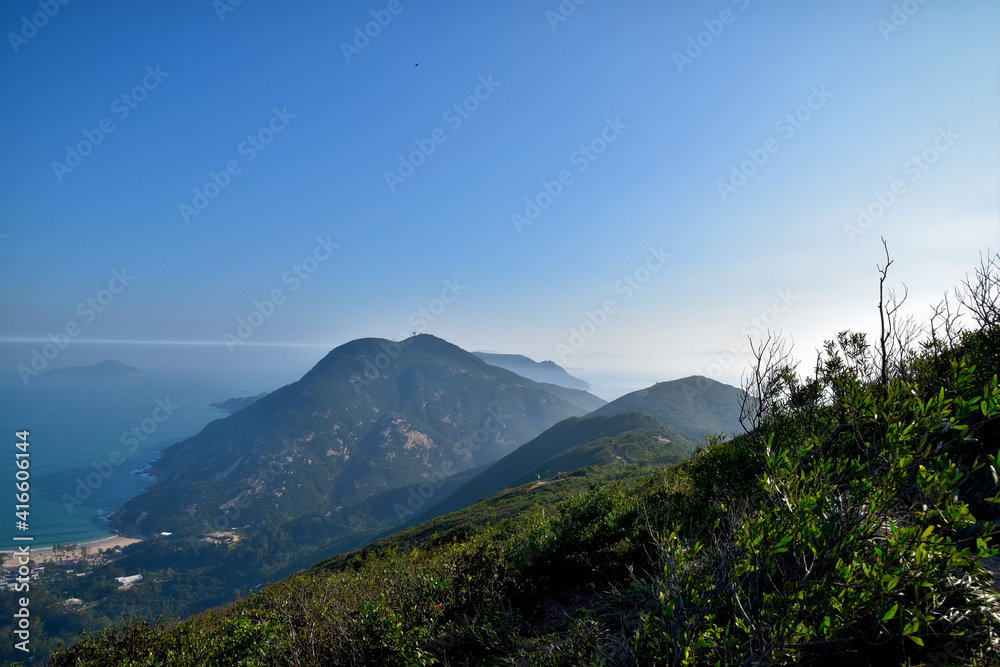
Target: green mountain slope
571	444
578	397
497	507
694	406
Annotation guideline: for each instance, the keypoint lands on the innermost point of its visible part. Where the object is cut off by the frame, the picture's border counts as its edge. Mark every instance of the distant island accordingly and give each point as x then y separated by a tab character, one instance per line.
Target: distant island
106	369
232	405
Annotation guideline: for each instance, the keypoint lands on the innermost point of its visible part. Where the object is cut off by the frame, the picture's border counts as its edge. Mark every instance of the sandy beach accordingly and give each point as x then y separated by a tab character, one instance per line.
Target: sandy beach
44	555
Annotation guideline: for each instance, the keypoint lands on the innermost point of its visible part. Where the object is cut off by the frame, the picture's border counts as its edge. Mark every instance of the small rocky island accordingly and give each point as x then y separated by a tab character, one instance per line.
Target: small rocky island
108	368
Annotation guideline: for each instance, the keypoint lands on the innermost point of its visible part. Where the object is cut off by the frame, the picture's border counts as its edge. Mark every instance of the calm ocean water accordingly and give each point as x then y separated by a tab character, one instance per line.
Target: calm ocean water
84	457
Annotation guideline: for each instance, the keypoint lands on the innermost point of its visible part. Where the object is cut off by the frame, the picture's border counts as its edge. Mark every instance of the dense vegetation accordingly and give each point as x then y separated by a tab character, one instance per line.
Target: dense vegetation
847	526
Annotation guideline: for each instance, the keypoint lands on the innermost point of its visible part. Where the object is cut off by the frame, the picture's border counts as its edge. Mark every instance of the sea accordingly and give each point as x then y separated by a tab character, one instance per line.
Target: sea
90	439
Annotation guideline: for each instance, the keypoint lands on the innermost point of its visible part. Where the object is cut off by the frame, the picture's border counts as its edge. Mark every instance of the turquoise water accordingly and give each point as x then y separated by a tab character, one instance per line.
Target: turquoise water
83	454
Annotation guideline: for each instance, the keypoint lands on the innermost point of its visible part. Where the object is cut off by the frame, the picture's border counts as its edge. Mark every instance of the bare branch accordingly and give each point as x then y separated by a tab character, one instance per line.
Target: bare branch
882	315
981	293
896	335
948	323
765	383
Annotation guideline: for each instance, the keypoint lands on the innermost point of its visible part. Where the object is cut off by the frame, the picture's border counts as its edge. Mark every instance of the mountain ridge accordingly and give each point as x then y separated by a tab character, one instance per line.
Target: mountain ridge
556	446
540	371
694	405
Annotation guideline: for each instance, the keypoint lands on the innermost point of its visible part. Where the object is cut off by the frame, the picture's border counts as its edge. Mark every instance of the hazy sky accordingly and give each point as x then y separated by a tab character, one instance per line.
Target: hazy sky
650	175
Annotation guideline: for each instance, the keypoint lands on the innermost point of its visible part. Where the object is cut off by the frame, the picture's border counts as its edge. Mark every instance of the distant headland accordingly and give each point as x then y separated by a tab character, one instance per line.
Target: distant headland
232	405
106	369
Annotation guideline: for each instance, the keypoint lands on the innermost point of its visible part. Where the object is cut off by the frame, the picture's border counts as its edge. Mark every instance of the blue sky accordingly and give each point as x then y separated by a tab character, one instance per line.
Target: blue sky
661	120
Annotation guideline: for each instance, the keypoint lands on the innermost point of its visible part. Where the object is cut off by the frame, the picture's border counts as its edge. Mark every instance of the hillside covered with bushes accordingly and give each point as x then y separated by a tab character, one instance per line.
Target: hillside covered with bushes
849	525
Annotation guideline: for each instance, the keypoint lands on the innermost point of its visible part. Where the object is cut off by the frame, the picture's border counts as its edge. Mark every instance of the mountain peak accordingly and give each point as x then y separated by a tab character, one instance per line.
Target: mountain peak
694	405
373	416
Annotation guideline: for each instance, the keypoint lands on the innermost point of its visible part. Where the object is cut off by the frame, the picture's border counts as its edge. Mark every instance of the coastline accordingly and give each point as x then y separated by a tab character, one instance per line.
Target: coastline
44	555
41	556
195	394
